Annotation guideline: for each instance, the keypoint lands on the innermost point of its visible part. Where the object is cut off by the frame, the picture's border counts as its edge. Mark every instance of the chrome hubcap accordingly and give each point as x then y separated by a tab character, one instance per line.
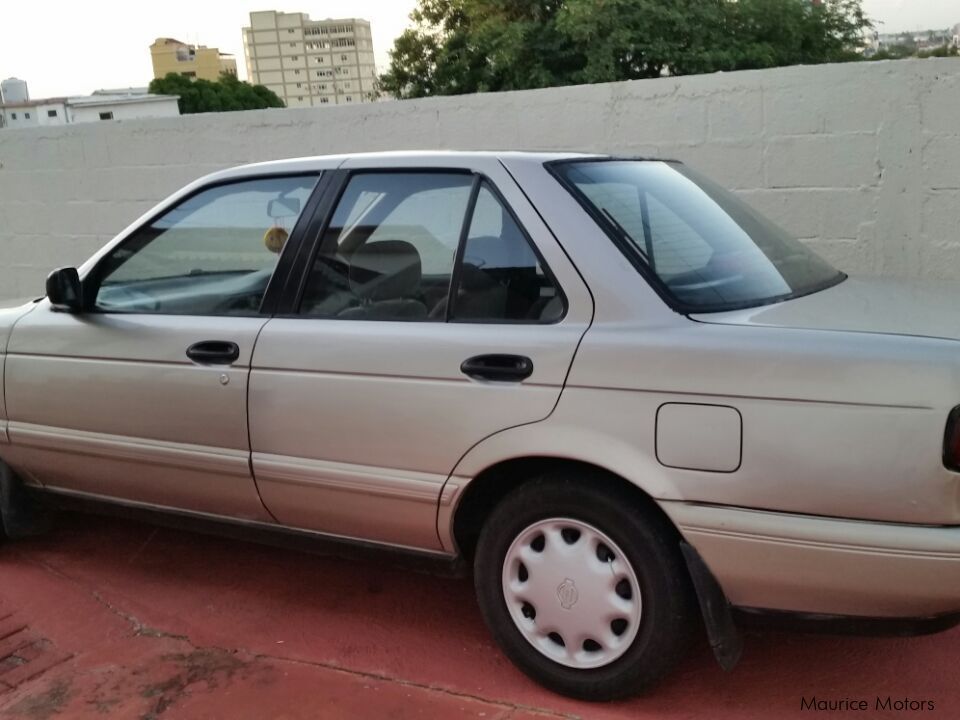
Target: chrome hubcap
572	593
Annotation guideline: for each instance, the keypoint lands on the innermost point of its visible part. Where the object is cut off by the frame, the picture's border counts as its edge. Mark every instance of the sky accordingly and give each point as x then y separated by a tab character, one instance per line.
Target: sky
66	47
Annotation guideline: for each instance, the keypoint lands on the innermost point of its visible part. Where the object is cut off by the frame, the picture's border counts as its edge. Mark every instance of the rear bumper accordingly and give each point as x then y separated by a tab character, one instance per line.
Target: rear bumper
806	564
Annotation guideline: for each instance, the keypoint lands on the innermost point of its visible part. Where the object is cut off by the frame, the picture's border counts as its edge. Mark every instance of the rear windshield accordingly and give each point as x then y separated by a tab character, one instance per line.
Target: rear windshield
706	250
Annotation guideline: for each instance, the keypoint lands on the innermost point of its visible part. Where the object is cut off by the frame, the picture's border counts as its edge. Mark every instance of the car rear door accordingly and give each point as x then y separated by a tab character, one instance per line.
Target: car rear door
143	396
436	309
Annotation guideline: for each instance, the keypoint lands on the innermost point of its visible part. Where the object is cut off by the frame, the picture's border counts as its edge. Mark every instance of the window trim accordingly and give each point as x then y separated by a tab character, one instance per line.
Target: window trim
290	305
648	274
465	225
92	280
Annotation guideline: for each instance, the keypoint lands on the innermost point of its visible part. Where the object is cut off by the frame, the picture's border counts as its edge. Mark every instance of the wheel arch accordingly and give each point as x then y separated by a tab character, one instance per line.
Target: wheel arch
477	498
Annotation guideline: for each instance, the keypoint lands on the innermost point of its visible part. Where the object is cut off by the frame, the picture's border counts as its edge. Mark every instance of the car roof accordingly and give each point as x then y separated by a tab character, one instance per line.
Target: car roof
329	162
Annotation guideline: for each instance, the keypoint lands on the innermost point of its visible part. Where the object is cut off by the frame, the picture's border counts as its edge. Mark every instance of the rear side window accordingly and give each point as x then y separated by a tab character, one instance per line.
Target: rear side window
430	247
501	277
390	248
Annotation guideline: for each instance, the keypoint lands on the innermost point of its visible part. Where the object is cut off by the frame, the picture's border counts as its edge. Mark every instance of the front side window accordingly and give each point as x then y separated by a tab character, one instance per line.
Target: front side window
706	249
213	254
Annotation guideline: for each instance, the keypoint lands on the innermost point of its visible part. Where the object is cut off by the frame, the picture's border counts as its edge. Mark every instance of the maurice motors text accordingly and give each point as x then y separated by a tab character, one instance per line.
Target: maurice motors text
905	704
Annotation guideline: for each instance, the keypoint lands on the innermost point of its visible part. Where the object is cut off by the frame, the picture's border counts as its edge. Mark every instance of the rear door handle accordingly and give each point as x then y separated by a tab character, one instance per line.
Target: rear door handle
214	352
505	368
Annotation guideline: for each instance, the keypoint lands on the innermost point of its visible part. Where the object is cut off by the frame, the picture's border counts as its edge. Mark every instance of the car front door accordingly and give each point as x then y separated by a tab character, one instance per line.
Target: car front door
436	310
143	396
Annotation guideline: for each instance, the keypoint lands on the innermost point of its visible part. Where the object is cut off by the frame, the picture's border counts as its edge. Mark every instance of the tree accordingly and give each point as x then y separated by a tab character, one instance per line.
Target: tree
225	95
463	46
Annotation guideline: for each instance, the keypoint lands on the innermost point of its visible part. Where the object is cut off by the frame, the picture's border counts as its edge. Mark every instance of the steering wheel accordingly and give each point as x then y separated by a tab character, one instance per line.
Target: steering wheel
128	299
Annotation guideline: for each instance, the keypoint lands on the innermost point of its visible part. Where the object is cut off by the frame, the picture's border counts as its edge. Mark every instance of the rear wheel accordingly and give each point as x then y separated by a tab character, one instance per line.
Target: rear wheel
585	591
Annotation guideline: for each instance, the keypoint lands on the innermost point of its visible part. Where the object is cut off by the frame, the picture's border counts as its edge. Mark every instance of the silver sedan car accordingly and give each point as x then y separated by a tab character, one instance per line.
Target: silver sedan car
631	405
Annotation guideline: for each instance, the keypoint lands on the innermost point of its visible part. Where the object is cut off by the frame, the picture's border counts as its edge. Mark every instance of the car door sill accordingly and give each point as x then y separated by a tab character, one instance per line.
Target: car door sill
276	535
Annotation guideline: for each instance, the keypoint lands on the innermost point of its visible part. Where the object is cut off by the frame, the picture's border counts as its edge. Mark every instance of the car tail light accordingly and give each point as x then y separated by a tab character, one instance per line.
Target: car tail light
951	441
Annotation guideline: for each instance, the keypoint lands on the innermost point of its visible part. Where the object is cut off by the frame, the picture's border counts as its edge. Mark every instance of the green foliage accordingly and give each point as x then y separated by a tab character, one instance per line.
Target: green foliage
226	94
942	51
907	48
464	46
894	52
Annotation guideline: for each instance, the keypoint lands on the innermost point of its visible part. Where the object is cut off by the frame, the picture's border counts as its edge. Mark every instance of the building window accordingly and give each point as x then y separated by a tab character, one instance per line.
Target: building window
51	113
26	116
324	101
300	98
190	74
344	58
13	116
293	44
349	99
296	72
290	31
106	116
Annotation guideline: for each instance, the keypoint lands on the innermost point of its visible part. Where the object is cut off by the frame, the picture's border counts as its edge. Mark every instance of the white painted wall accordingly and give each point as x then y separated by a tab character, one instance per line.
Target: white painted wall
39	114
862	160
125	110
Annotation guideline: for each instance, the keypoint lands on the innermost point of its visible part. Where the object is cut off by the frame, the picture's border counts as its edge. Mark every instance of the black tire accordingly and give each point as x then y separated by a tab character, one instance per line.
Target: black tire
669	620
21	516
3	532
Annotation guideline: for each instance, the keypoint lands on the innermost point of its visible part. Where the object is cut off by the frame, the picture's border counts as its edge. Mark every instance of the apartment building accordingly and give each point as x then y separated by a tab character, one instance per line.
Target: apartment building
193	61
310	62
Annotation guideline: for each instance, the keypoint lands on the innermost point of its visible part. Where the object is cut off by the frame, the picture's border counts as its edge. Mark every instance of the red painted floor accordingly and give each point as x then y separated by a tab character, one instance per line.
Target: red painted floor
105	617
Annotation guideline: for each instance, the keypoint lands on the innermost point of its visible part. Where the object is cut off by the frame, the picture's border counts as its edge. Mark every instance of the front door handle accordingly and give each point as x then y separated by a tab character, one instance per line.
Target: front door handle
505	368
214	352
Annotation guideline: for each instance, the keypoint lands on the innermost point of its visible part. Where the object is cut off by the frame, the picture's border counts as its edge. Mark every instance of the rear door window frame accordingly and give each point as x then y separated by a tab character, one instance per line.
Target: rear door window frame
337	180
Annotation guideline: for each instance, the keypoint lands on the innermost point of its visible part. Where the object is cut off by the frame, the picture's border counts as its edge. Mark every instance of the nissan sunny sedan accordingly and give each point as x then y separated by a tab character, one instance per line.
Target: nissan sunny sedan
632	405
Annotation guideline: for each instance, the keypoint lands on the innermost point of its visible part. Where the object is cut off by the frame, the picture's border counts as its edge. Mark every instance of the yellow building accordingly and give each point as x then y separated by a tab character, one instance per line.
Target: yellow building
193	61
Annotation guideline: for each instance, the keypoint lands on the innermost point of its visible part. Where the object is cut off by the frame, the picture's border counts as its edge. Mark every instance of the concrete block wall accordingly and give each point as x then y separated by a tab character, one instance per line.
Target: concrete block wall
861	160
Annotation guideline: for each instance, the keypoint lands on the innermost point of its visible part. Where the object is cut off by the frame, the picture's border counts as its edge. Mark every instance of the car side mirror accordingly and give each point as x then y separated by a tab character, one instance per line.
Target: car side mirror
64	290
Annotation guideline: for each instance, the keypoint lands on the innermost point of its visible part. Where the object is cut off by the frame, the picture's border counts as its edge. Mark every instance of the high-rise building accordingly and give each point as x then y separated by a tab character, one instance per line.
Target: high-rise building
310	62
193	61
